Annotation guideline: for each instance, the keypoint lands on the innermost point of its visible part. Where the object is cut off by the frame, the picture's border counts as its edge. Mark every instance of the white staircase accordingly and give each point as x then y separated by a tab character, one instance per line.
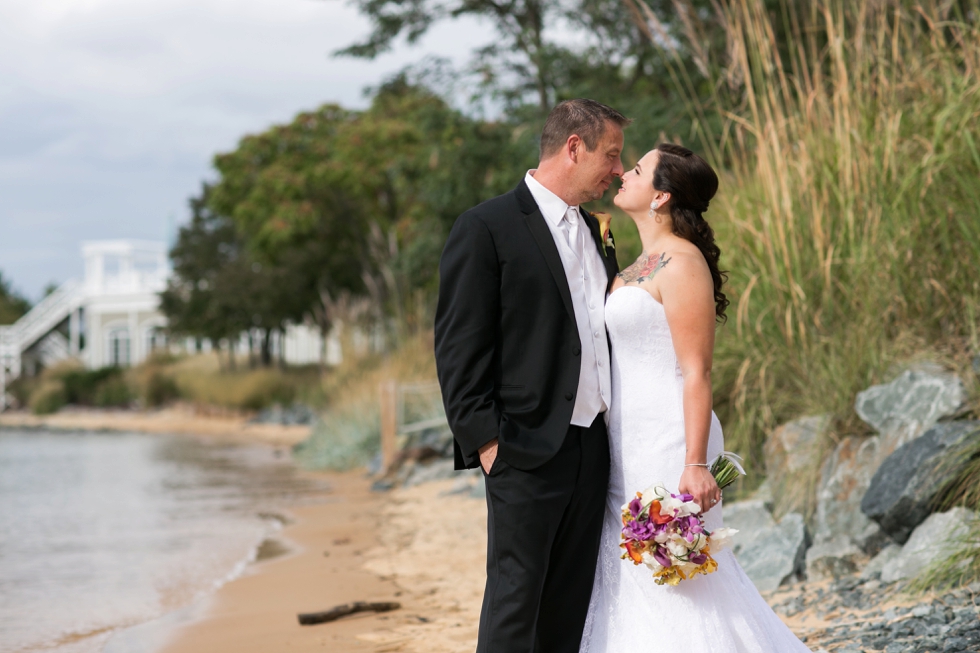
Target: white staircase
37	328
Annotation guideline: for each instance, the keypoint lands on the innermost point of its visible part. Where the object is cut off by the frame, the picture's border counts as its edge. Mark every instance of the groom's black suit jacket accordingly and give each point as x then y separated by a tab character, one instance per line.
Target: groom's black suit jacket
507	346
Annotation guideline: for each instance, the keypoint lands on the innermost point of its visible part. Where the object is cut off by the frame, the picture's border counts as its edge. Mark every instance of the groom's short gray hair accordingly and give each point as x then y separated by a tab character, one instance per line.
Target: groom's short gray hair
585	118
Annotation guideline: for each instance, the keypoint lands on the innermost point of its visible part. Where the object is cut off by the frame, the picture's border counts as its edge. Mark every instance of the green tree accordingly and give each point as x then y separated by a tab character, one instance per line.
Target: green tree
12	304
360	200
219	290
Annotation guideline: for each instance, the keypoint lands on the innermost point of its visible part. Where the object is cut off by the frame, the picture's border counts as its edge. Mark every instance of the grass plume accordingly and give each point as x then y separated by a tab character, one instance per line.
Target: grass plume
849	209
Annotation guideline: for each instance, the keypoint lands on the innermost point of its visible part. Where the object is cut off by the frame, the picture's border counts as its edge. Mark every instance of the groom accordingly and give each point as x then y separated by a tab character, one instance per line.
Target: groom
523	362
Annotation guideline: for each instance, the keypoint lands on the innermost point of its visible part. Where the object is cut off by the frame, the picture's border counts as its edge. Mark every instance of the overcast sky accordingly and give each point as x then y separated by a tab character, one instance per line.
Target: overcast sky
111	110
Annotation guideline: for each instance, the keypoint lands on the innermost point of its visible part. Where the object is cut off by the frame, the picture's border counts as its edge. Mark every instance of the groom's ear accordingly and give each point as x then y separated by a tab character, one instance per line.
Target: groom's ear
574	147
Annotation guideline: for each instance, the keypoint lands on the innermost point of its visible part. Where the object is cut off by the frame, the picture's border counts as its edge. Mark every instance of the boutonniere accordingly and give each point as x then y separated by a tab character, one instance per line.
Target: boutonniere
604	233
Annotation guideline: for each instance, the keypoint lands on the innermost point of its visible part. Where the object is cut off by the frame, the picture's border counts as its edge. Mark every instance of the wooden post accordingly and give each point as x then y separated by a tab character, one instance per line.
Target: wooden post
389	423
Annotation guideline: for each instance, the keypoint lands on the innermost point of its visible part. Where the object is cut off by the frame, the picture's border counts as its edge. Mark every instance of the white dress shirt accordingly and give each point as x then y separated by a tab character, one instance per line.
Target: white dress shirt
587	279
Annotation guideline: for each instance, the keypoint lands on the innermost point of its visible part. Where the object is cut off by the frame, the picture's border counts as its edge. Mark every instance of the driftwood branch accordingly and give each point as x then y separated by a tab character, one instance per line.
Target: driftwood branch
311	618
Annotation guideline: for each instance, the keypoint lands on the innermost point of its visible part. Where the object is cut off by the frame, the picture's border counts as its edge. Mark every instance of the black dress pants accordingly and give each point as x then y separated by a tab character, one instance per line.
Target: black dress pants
543	529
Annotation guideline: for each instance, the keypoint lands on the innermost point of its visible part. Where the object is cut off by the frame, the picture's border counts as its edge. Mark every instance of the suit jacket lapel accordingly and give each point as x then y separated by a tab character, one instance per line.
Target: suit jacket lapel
608	257
546	243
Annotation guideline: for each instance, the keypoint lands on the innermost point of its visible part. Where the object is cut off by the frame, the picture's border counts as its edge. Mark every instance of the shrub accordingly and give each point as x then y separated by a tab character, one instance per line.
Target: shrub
159	389
49	397
348	433
201	383
344	438
113	392
82	386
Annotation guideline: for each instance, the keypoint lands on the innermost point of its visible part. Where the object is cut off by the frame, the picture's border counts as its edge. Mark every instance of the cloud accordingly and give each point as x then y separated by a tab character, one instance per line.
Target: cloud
111	110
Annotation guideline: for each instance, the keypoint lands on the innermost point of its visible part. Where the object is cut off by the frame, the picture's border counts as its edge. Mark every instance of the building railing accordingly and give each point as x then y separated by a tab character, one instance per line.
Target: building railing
48	313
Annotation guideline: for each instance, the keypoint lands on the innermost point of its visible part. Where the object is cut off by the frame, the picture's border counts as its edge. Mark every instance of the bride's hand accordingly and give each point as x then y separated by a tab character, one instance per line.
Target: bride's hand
699	483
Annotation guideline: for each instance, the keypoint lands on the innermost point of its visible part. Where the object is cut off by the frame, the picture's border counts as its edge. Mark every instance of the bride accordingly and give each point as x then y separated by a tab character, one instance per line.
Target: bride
661	316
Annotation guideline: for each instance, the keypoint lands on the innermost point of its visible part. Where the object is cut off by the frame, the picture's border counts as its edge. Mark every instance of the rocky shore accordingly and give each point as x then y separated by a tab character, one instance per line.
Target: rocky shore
863	615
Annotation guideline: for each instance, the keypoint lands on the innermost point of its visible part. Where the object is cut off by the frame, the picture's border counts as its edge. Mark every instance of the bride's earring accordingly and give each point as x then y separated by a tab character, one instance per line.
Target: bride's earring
653	211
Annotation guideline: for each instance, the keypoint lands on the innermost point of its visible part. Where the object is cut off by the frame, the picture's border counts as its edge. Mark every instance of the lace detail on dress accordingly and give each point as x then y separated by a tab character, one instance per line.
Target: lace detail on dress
718	613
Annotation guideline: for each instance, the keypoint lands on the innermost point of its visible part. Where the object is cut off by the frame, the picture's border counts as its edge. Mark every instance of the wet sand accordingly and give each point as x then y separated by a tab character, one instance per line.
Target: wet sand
413	546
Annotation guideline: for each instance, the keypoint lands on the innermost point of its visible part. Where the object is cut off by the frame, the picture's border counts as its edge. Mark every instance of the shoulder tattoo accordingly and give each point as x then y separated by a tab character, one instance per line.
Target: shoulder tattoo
646	267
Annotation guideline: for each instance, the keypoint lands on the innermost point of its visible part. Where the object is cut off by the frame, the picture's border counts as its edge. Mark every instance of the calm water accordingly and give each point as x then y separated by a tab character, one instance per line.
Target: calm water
102	532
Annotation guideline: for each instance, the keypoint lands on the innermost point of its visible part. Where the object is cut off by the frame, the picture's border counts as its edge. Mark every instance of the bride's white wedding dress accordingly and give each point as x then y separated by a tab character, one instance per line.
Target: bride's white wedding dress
718	613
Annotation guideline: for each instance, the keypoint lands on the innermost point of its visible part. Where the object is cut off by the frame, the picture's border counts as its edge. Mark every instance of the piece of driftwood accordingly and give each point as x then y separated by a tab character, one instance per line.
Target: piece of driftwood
311	618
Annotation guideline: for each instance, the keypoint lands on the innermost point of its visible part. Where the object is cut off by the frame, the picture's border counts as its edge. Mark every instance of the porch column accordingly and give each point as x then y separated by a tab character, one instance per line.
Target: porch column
134	340
74	331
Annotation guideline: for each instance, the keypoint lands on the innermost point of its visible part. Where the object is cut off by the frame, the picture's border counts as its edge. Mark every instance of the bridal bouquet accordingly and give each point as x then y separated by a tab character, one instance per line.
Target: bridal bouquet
665	531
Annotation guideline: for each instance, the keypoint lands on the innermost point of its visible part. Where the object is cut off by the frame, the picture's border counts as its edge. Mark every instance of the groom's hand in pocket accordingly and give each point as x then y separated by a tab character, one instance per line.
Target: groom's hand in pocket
488	454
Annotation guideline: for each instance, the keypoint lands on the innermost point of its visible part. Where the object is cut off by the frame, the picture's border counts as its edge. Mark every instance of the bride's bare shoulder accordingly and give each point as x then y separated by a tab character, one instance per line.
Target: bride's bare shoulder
685	259
686	271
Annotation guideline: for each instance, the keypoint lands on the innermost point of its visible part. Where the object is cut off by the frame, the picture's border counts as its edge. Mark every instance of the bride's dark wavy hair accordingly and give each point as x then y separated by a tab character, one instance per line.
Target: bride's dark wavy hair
692	183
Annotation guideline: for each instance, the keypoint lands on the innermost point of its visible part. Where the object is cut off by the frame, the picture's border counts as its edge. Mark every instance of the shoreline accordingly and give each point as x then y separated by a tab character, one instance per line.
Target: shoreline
357	546
316	563
177	420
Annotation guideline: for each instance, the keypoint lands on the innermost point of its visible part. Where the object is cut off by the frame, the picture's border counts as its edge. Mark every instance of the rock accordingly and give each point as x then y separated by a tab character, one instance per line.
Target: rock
438	438
833	559
903	489
285	416
874	568
900	411
906	407
790	447
763	493
769	553
792	457
435	471
844	480
750	518
932	540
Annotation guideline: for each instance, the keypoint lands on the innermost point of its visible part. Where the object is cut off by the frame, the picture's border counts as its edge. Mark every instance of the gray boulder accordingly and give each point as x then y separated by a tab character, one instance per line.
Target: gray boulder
792	456
904	408
878	563
769	553
905	485
932	540
833	559
845	478
900	411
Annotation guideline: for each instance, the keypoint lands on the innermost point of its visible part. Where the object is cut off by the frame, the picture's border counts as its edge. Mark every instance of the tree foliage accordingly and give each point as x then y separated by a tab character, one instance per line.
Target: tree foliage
12	304
335	203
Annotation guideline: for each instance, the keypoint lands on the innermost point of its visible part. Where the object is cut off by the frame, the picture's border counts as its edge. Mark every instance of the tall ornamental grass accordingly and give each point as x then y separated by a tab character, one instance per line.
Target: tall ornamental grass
849	210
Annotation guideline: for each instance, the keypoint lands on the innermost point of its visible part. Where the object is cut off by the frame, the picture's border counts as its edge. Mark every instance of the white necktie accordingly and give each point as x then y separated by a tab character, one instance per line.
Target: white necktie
572	231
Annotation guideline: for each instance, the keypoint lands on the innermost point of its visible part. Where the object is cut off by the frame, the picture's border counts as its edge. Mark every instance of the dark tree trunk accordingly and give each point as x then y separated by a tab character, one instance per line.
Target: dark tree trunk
267	348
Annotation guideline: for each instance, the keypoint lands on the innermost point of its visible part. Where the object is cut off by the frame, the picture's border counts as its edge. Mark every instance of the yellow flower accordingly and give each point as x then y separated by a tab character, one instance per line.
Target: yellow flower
605	234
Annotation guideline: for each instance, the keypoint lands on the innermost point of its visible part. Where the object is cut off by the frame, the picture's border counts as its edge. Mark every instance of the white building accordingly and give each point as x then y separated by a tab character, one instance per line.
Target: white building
112	317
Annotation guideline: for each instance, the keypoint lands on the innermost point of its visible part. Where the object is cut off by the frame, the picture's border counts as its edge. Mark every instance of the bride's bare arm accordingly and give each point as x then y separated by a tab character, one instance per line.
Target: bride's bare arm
688	298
